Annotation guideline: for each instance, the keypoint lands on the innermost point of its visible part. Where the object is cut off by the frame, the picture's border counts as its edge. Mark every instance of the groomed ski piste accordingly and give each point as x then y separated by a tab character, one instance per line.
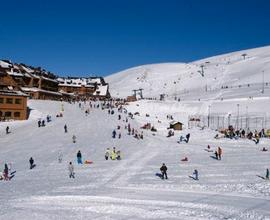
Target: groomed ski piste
232	188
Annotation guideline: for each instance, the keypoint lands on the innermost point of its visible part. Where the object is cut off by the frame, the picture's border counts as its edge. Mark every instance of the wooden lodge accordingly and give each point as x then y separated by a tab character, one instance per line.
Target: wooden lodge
176	125
91	87
13	105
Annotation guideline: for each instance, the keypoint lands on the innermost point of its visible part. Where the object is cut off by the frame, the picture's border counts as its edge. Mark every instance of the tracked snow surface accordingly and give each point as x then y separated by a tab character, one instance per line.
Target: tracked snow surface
231	188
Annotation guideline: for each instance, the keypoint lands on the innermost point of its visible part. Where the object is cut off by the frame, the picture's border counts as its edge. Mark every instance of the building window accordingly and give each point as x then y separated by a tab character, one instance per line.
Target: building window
9	100
1	100
7	114
18	101
17	114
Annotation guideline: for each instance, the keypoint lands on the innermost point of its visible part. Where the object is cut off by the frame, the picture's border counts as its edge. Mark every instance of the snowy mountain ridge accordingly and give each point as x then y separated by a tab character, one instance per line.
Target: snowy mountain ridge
208	77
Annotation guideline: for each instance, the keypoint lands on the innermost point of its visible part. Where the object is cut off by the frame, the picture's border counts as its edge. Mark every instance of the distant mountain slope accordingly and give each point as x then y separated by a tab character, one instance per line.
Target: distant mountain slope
206	78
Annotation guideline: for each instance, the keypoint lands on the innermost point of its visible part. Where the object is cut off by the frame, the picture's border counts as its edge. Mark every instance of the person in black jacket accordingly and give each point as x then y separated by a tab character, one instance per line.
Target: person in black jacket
163	170
6	172
31	161
79	157
187	137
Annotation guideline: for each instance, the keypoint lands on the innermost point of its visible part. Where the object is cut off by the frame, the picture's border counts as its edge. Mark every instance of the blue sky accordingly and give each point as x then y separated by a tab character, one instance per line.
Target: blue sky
101	37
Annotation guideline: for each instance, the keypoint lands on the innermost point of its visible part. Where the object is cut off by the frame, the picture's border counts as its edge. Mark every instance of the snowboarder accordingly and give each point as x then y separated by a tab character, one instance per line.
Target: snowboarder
7	130
65	128
74	139
107	154
267	174
71	170
31	161
163	170
79	157
196	174
113	134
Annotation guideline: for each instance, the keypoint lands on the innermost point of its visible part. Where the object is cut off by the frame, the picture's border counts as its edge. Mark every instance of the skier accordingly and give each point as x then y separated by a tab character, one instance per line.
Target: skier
74	139
119	135
5	173
119	117
267	174
181	139
196	174
65	128
118	155
39	123
113	154
71	170
79	157
219	153
7	130
216	154
48	118
113	134
163	170
31	161
187	137
60	157
107	154
43	123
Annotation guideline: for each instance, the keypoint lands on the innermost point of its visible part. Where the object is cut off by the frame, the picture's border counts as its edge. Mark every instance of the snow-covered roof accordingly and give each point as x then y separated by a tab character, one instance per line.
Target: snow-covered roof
49	79
78	82
12	93
101	90
175	122
26	69
12	73
33	89
4	64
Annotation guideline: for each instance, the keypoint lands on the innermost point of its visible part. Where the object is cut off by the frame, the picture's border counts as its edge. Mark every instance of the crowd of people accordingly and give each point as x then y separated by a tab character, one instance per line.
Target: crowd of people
126	127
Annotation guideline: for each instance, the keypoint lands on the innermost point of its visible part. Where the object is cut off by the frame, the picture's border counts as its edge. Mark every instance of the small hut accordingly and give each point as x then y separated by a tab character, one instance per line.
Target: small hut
176	125
131	98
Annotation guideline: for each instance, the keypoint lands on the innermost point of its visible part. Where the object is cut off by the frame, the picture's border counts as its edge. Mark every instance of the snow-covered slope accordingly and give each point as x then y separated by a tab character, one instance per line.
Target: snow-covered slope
189	81
231	188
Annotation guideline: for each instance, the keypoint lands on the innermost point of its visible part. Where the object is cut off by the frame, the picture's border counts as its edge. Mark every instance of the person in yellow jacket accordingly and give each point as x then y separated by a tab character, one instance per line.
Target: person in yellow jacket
113	155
